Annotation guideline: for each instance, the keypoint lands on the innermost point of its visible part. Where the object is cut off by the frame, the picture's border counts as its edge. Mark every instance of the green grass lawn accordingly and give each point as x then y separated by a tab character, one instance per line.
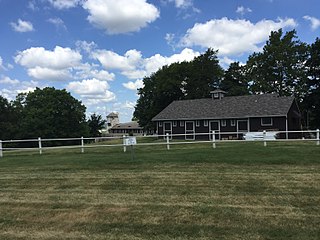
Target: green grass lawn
236	191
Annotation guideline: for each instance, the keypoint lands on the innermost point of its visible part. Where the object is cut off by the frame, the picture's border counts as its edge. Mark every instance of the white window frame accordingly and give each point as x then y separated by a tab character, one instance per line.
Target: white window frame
181	123
205	123
160	124
174	123
223	122
267	124
197	123
232	122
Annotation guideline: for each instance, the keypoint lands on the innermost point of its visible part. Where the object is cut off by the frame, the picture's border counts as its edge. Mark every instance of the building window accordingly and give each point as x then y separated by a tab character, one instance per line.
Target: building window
205	123
233	122
181	123
266	121
174	123
223	122
197	123
160	124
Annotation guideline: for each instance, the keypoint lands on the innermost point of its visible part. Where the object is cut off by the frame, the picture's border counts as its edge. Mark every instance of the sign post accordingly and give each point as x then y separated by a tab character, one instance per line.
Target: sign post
130	141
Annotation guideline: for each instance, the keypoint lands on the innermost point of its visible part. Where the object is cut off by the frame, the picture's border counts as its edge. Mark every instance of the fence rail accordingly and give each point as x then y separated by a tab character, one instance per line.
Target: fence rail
167	140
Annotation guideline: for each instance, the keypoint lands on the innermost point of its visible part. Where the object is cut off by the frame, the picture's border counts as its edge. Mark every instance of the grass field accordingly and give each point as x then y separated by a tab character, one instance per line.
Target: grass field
236	191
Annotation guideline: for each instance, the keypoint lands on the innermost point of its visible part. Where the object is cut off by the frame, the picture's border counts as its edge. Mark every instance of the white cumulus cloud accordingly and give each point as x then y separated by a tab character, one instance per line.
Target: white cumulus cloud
9	81
133	65
134	85
92	91
315	22
22	26
49	65
43	73
59	58
121	16
232	37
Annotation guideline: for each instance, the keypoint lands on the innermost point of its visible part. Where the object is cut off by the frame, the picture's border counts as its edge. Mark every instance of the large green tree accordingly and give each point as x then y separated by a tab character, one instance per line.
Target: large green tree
311	102
235	82
51	113
280	67
203	75
95	123
185	80
8	120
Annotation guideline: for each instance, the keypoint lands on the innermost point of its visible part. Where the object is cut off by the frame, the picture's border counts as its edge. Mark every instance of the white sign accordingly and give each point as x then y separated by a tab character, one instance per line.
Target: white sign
130	141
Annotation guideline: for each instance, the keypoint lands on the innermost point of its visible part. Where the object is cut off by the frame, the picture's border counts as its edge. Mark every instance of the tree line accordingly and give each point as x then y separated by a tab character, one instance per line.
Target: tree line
286	66
46	113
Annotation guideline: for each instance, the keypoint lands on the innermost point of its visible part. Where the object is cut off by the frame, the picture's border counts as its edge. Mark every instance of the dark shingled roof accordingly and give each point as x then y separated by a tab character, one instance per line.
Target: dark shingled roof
128	125
227	107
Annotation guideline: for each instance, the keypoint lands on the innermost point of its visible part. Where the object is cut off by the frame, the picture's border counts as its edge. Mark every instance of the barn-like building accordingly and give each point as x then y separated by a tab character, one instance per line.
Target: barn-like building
250	113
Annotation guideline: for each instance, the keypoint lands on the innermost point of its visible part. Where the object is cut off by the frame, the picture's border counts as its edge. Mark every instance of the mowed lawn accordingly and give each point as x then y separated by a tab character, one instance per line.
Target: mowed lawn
236	191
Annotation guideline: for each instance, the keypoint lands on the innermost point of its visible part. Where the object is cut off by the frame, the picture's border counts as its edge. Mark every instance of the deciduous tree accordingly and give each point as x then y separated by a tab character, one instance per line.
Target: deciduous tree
280	68
95	123
185	80
235	82
52	113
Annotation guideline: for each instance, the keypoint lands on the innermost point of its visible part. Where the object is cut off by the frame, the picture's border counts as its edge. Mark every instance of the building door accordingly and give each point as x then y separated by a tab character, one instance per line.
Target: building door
242	126
167	128
214	126
189	130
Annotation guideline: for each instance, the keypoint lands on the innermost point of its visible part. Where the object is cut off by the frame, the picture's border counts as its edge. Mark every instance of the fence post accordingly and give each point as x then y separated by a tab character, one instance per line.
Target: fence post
168	142
124	143
264	138
82	145
1	153
40	145
318	140
213	139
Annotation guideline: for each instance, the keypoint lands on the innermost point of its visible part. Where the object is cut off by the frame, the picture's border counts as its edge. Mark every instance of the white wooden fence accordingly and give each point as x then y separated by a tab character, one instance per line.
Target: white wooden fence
167	140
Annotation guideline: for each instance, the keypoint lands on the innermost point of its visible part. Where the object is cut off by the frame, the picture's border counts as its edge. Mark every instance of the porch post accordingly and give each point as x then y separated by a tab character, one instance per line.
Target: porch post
168	141
318	140
264	138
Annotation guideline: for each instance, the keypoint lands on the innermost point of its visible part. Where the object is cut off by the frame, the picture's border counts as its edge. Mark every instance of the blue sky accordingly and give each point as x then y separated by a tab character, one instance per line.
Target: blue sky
100	50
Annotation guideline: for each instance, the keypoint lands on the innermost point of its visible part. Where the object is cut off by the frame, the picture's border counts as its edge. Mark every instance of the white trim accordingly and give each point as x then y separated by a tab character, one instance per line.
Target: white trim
268	124
233	122
197	123
181	123
223	122
205	123
160	124
189	131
